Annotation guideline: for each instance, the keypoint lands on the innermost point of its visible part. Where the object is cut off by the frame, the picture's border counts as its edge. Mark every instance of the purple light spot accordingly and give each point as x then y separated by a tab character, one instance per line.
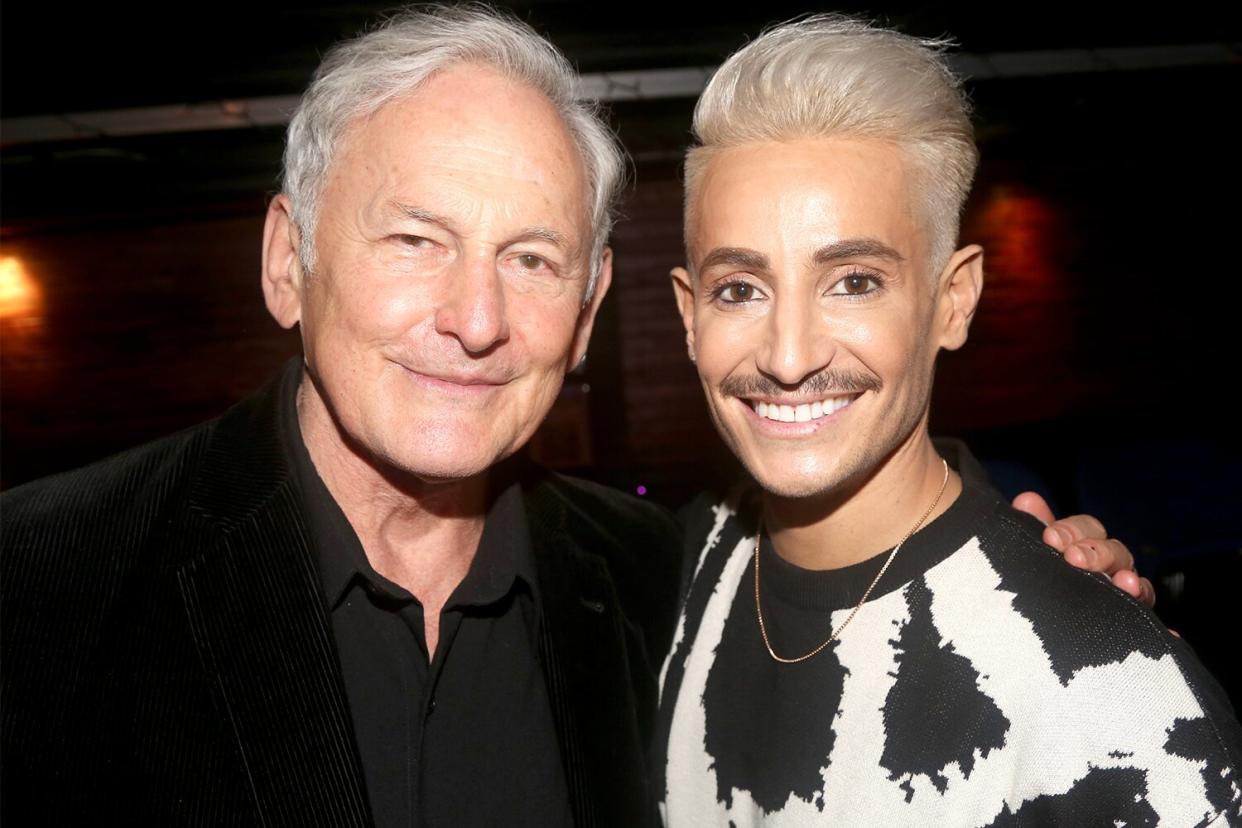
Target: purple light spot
642	490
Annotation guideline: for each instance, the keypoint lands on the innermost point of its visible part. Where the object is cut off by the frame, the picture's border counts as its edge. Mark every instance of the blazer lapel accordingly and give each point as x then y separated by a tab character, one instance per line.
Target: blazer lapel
584	655
252	595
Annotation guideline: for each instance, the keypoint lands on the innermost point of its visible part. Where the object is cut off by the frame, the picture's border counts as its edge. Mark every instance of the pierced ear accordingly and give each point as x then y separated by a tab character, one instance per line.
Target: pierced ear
282	266
683	292
586	316
961	284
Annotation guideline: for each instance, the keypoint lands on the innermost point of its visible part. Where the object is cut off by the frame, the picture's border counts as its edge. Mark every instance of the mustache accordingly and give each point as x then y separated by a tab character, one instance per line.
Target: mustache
828	381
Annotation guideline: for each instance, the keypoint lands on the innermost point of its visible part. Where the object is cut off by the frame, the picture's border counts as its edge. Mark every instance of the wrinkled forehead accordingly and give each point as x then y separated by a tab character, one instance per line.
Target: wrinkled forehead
497	138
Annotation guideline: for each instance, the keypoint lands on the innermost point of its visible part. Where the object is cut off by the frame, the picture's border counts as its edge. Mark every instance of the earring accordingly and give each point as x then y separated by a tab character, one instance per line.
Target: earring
690	349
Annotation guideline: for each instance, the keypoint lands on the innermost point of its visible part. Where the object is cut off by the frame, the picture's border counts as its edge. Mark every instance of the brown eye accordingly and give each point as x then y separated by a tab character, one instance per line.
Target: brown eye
738	292
529	262
856	284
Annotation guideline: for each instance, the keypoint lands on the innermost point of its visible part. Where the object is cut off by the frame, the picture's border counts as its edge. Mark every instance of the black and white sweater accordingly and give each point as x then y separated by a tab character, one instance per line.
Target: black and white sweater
984	683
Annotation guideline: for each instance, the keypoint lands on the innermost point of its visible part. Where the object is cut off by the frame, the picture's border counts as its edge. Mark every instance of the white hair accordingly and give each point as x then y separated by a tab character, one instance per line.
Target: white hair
359	76
835	76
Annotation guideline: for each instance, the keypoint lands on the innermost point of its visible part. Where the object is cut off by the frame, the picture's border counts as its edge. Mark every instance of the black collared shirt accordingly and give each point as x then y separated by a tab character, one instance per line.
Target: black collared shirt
464	738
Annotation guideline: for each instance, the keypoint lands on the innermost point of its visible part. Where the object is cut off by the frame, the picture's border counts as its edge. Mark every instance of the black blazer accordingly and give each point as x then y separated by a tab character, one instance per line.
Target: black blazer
167	656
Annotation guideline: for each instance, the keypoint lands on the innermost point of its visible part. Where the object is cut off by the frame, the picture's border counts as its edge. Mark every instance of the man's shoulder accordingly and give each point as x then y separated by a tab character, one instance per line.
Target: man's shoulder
87	516
1087	636
1079	617
79	549
83	501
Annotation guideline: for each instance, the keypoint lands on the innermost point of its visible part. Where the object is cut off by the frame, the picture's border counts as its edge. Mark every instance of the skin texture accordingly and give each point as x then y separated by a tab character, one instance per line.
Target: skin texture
447	305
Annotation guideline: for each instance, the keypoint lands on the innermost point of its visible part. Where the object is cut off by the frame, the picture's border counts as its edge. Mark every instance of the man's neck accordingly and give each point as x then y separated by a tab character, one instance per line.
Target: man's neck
419	535
840	528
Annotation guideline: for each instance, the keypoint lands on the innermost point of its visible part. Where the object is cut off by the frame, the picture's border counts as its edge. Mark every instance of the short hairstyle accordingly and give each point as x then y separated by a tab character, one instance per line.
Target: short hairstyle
835	76
359	76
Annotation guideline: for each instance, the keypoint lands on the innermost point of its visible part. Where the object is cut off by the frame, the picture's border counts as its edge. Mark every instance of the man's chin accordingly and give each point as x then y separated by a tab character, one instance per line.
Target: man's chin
795	476
799	488
449	462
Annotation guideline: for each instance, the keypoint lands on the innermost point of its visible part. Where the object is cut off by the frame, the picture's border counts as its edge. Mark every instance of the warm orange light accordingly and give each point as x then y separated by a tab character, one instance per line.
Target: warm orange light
19	293
1022	234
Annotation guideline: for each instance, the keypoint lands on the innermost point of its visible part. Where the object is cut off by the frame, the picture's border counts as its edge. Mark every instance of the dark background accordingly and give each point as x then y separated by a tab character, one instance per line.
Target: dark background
1101	365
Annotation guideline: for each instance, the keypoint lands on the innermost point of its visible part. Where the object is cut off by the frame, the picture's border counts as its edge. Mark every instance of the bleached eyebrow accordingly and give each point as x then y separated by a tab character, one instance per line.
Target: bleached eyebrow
856	249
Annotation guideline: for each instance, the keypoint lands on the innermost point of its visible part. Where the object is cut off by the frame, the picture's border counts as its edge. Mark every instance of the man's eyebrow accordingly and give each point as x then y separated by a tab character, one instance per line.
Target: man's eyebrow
736	256
856	249
419	214
535	232
538	233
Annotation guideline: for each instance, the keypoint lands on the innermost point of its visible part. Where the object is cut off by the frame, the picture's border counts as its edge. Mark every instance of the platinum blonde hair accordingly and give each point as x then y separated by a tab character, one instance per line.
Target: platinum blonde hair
830	76
359	76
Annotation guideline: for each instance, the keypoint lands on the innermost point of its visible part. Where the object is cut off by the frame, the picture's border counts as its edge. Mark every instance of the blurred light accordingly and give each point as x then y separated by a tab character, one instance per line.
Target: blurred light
642	490
1022	233
19	293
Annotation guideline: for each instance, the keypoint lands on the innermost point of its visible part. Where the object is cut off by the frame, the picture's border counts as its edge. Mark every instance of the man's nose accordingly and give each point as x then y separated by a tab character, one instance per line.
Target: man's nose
797	343
472	307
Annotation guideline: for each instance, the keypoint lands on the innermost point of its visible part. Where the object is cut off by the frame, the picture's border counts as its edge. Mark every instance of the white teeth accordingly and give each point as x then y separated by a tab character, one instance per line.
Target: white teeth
804	413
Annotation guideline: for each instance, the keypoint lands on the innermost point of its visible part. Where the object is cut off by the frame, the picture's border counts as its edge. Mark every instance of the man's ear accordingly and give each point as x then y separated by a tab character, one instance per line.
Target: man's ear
960	282
282	266
586	316
683	292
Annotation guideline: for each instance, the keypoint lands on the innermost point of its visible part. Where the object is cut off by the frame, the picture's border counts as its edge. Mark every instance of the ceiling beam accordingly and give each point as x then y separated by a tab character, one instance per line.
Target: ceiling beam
645	84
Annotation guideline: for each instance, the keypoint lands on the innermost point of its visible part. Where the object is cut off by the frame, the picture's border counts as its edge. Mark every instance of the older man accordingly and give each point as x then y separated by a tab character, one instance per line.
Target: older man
874	638
340	604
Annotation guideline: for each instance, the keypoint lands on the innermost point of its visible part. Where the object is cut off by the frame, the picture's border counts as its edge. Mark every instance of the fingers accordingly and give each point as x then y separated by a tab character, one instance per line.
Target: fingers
1129	582
1034	505
1067	531
1108	556
1147	595
1084	542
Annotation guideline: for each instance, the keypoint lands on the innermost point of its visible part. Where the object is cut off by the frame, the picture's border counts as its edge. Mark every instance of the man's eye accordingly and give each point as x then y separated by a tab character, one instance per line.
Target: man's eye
856	284
530	262
414	241
736	293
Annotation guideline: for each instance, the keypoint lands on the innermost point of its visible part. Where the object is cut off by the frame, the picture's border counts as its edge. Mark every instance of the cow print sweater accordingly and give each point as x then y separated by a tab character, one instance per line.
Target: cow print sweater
984	683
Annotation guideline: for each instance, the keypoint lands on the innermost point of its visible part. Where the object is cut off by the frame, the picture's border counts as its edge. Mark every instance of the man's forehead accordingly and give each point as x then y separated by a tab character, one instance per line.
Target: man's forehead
474	109
854	197
509	151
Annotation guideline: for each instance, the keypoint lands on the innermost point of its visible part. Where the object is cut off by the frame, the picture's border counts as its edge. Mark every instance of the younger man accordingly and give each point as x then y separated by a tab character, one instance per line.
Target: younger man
873	639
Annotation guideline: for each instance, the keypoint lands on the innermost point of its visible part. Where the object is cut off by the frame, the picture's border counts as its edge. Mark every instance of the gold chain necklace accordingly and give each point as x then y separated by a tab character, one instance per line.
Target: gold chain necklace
763	629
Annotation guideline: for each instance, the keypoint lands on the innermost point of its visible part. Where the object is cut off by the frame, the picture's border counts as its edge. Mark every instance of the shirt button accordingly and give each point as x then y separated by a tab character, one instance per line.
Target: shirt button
431	707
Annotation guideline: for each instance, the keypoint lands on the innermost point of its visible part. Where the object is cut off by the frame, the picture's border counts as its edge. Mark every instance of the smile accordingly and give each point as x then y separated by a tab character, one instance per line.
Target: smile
803	412
464	386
